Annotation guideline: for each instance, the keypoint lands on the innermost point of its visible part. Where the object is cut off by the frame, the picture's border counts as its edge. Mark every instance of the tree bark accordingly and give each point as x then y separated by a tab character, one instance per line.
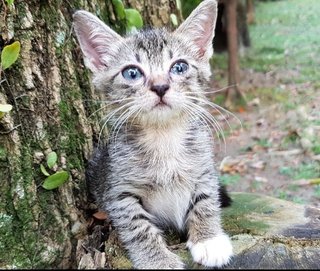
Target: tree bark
157	12
54	109
250	11
233	92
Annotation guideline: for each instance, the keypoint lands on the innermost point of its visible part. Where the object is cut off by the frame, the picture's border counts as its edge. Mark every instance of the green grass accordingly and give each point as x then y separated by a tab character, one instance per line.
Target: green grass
286	37
285	44
228	179
303	171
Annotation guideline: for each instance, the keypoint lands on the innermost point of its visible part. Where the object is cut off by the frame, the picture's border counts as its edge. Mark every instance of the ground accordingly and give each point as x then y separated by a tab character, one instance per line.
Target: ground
276	151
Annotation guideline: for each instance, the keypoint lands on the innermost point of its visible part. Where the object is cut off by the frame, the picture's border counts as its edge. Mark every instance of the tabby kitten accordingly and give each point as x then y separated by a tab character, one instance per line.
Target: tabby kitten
157	170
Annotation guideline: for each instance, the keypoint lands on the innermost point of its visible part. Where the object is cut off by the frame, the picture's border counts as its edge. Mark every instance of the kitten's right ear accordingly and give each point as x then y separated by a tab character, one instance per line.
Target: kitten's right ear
97	41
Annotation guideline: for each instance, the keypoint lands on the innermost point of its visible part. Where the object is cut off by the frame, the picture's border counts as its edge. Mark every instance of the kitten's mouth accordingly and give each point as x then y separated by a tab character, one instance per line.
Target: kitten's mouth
161	104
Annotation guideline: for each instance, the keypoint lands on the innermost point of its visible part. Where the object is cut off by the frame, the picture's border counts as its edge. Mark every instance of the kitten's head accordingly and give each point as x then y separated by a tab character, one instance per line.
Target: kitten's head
153	76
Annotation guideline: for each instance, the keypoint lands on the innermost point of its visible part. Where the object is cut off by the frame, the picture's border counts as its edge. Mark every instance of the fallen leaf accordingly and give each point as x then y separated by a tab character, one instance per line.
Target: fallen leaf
305	182
260	179
258	164
100	215
233	165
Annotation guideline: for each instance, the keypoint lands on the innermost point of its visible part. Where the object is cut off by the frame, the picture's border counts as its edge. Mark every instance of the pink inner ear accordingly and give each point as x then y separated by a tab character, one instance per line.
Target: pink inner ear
203	46
204	39
94	56
97	40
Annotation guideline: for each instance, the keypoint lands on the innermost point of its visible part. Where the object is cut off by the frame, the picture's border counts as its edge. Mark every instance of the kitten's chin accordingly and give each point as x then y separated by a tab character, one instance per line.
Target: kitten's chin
161	114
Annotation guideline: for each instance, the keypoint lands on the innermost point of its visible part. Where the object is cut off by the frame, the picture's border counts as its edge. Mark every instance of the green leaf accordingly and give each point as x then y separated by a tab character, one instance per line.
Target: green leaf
43	170
131	29
10	54
52	159
119	9
10	2
174	19
4	108
55	180
133	18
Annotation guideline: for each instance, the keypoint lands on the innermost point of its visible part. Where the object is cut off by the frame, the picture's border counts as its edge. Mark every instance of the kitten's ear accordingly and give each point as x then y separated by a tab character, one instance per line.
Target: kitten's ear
97	41
199	27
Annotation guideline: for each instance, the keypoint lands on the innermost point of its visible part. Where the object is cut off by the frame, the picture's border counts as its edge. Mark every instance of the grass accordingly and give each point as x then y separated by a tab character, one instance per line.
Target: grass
286	37
285	43
303	171
229	179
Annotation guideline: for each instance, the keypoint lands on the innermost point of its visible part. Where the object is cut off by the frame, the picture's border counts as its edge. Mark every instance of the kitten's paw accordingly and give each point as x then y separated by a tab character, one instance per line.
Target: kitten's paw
216	251
160	261
172	262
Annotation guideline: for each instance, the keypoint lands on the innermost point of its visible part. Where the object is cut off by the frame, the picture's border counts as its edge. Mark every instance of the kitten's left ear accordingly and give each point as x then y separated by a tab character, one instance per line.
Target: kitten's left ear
199	27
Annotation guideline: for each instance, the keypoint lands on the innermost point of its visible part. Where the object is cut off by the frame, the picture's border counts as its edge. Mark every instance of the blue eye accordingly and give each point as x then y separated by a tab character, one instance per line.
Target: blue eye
179	68
132	73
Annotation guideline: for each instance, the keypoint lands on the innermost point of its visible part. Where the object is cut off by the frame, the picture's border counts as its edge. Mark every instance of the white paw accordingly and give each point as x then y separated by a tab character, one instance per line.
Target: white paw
216	251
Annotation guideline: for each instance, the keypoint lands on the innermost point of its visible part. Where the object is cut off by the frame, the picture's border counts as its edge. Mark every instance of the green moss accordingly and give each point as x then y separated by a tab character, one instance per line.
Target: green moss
73	140
3	154
20	240
236	219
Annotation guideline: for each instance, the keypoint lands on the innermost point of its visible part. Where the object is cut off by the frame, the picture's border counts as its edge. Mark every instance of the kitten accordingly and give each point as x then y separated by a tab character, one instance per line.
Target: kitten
157	170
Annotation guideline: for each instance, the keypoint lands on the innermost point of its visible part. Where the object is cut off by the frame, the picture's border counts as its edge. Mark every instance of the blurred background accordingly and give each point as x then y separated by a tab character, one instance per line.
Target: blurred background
276	151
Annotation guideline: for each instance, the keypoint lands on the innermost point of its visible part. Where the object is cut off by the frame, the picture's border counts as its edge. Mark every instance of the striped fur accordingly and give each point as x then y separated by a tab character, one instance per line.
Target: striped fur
157	170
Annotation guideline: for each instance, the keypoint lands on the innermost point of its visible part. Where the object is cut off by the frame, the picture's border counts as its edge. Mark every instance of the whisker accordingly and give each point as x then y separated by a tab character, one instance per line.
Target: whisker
121	120
197	117
214	123
217	108
210	92
108	104
212	106
110	115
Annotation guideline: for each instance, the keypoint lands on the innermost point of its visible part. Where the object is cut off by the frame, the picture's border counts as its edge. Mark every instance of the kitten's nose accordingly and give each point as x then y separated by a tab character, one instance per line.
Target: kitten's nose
160	89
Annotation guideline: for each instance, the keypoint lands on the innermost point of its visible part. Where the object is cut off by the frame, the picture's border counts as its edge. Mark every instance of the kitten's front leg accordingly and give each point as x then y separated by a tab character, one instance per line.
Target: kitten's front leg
208	243
142	239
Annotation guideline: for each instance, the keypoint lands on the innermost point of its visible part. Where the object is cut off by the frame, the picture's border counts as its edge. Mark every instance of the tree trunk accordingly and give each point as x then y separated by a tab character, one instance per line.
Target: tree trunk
233	92
157	12
250	11
54	109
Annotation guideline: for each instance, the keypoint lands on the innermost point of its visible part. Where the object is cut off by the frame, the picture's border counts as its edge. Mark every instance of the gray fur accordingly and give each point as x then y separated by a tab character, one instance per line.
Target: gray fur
157	170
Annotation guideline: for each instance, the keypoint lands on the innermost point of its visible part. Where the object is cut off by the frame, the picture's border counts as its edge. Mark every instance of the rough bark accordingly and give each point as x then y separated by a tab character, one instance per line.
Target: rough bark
250	11
234	93
54	109
266	233
157	12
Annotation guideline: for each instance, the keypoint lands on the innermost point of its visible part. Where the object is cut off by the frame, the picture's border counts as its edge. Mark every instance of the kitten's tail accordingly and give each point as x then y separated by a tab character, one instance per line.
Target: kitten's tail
224	198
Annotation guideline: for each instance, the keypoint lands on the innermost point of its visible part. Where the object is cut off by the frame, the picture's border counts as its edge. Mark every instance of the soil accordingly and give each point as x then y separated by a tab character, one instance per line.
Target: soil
259	155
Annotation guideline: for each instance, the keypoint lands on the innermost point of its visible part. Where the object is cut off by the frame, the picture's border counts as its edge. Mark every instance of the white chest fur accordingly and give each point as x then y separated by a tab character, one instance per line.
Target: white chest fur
168	169
170	205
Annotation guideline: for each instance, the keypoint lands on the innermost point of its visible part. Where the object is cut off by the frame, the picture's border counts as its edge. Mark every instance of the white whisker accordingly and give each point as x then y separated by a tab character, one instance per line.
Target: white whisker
106	104
211	120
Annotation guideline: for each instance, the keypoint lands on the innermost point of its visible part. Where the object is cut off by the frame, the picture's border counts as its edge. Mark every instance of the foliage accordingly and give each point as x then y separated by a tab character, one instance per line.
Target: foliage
133	19
227	179
10	2
187	6
130	16
56	179
5	108
10	54
277	40
303	171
